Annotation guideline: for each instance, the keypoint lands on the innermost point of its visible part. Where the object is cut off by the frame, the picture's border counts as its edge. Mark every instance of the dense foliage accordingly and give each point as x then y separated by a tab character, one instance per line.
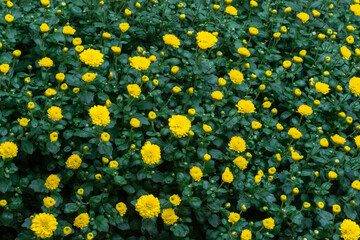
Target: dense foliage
179	120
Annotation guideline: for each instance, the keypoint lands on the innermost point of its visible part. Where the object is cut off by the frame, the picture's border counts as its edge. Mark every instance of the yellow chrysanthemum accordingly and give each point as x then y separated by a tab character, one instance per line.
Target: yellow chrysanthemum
246	234
44	225
322	87
169	216
231	10
175	199
52	182
349	229
171	40
54	113
217	95
82	220
148	206
304	17
139	63
100	115
355	8
268	223
227	176
179	125
74	161
337	139
124	27
345	52
196	173
46	62
245	106
68	30
92	57
89	77
241	162
354	85
233	217
121	208
305	110
206	40
236	76
134	90
8	150
294	133
150	153
23	122
49	202
244	52
237	144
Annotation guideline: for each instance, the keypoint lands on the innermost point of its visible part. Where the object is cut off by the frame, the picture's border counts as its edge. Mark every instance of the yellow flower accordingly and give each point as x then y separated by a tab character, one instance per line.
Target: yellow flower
245	106
277	35
92	57
221	82
217	95
350	39
257	179
44	28
54	113
134	90
237	144
105	137
227	176
332	175
4	68
241	162
246	234
355	8
60	77
324	142
297	59
322	87
152	115
304	17
255	125
74	161
266	104
179	125
196	173
253	31
80	191
3	203
67	30
124	27
98	176
113	164
315	13
100	115
336	208
54	136
76	41
67	230
345	52
305	110
233	217
134	122
294	133
207	128
320	205
354	85
287	64
79	48
355	185
127	13
44	225
272	171
82	220
52	182
169	216
148	206
175	199
231	10
338	140
16	53
9	18
268	223
171	40
139	63
206	40
297	92
253	4
244	52
8	150
150	153
23	122
49	202
296	156
90	235
30	106
349	229
46	62
236	76
116	50
106	35
121	208
306	205
50	92
176	90
89	77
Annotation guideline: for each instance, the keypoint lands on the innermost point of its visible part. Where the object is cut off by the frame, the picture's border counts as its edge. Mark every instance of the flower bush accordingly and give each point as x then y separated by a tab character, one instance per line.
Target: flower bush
179	120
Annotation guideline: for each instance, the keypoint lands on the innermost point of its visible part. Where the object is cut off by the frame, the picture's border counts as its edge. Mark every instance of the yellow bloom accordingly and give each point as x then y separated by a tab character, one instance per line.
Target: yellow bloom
253	31
100	115
46	62
54	136
50	92
345	52
233	217
332	175
206	40
113	164
23	122
44	28
8	150
67	30
9	18
74	161
148	206
268	223
338	140
60	77
324	142
89	77
92	57
49	202
105	137
231	10
171	40
82	220
349	229
245	106
207	128
76	41
294	133
255	125
124	27
305	110
304	17
54	113
44	225
67	230
315	13
241	162
150	153
4	68
336	208
134	90
355	8
52	182
217	95
244	52
175	199
354	85
135	123
196	173
246	234
139	63
322	87
227	176
121	208
236	76
179	125
237	144
169	216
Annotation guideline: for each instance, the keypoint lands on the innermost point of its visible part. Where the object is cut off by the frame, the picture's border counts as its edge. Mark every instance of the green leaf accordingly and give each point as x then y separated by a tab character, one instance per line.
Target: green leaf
101	223
37	185
27	146
6	217
195	202
71	207
214	220
120	180
181	230
4	184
